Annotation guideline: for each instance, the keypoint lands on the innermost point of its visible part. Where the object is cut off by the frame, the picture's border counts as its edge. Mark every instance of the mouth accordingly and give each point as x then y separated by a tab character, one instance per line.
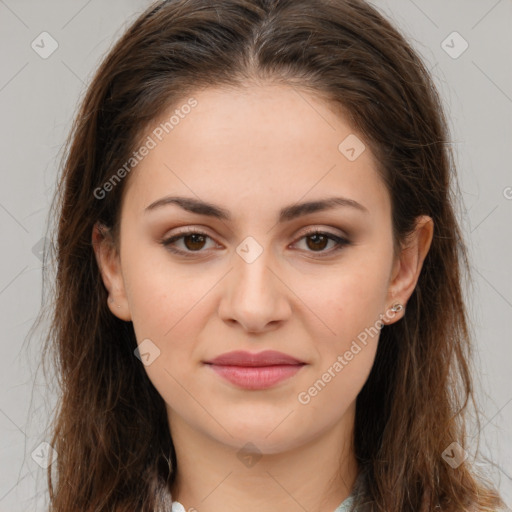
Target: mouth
255	371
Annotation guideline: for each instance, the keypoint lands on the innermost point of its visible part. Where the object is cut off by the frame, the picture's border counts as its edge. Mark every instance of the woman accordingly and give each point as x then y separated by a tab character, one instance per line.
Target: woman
259	271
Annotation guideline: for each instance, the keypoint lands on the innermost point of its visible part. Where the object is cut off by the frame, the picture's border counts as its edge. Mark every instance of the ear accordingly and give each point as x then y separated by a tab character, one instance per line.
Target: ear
408	265
109	264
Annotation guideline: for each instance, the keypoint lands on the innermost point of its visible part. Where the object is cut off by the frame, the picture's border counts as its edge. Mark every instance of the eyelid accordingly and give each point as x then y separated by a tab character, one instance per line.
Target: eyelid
311	230
199	230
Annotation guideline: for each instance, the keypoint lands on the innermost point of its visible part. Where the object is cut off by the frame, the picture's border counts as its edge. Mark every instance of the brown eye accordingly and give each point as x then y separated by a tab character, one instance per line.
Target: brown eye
192	241
318	241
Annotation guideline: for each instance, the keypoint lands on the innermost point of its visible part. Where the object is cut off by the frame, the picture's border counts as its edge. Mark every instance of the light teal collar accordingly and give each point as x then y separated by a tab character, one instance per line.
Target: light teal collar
344	507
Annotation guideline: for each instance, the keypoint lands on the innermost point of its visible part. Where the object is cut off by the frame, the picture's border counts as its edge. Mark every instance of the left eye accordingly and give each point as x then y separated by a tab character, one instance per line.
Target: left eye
319	240
194	241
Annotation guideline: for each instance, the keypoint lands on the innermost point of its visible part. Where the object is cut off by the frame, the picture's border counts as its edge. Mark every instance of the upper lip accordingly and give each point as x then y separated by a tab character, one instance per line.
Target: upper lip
242	358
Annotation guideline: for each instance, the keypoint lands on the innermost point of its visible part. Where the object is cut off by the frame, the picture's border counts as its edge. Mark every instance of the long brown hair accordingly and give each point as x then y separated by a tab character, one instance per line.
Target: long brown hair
110	431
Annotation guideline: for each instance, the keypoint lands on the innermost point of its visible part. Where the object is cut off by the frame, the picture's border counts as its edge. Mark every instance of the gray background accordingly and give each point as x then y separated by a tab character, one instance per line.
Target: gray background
38	98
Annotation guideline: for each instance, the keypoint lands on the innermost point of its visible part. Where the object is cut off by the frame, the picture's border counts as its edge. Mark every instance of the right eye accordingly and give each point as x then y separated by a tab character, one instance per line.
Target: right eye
193	241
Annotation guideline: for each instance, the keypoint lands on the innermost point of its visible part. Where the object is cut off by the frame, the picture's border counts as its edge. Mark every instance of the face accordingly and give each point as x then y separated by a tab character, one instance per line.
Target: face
248	273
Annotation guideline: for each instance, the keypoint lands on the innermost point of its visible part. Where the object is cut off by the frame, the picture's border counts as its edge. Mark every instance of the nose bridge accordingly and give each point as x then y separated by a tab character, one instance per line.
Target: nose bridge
256	296
252	274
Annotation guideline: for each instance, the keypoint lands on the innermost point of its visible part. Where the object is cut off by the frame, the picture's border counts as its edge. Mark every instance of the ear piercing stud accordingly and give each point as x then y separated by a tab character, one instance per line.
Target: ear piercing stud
111	300
397	307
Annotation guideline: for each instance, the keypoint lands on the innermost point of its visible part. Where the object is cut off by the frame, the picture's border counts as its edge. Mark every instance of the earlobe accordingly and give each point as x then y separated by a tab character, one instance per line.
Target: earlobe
109	266
407	267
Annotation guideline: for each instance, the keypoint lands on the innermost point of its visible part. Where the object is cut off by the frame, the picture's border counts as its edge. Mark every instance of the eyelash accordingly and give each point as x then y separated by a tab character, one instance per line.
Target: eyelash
340	241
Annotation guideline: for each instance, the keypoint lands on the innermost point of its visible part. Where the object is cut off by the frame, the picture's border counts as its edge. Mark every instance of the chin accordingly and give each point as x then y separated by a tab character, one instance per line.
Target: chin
266	437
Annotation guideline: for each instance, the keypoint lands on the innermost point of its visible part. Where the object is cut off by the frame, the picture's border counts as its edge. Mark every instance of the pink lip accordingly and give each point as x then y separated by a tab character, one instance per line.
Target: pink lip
255	371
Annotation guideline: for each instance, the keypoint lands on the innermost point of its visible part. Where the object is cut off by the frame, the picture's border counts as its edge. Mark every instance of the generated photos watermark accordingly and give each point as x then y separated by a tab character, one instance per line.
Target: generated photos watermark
343	360
151	142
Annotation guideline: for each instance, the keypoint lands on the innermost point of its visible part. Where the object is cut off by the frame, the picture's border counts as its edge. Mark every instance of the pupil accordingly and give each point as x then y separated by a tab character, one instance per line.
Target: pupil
323	237
195	238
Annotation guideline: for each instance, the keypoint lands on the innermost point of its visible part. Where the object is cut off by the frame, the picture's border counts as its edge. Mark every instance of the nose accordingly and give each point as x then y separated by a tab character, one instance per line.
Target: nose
255	297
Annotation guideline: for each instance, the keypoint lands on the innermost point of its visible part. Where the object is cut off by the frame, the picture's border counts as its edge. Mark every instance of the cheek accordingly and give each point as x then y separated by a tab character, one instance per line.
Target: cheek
160	295
345	356
170	305
165	310
350	304
351	299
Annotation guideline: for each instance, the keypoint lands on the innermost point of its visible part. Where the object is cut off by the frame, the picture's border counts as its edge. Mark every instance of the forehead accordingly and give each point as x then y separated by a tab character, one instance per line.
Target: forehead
255	145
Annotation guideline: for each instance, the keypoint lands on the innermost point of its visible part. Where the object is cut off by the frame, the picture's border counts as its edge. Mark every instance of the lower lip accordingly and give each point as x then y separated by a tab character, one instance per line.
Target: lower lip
256	377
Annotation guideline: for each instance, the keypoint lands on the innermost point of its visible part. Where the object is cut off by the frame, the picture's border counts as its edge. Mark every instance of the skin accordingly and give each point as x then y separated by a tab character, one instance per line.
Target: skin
253	151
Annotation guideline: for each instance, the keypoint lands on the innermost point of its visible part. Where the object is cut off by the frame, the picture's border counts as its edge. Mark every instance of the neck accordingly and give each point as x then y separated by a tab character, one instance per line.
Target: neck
214	477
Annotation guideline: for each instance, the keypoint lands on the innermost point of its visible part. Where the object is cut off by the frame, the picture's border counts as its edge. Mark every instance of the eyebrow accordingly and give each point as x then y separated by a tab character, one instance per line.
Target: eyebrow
286	214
